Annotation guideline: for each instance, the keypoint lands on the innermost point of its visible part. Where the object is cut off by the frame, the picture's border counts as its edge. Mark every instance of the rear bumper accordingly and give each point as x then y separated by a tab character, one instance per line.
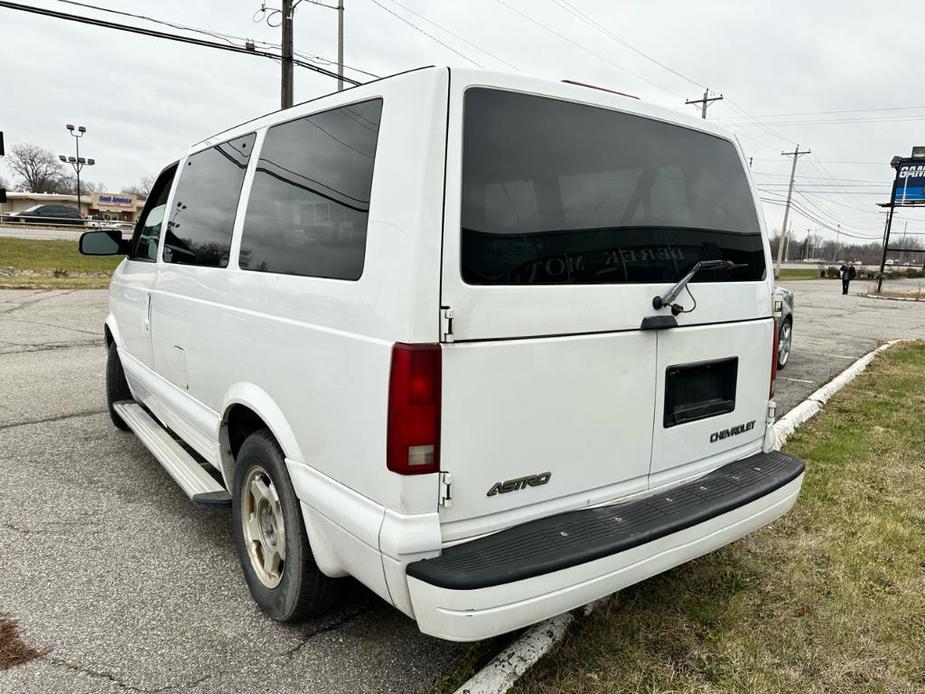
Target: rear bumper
534	571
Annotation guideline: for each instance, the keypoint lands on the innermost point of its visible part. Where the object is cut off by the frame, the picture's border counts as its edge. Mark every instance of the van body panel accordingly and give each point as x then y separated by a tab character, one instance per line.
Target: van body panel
688	443
553	374
231	322
553	398
546	406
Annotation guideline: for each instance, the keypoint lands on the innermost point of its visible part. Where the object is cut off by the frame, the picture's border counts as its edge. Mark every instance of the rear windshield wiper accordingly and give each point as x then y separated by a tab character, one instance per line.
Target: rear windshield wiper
668	298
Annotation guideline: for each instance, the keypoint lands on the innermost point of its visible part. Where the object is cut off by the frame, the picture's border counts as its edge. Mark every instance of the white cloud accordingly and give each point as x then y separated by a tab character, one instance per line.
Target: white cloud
144	100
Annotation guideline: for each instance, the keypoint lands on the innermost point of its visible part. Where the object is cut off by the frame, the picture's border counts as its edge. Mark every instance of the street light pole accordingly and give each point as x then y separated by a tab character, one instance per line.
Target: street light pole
78	162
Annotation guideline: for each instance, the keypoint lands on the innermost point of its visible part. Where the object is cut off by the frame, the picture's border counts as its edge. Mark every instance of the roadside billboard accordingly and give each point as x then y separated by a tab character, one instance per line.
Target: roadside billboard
910	182
113	202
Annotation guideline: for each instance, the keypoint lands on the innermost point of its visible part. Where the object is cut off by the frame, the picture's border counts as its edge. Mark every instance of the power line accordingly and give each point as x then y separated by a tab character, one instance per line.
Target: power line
164	35
230	38
863	110
590	21
426	33
911	118
457	36
583	48
172	25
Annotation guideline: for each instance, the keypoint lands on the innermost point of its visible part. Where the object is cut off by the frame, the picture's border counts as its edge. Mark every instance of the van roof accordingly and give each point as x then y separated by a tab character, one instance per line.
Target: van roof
568	88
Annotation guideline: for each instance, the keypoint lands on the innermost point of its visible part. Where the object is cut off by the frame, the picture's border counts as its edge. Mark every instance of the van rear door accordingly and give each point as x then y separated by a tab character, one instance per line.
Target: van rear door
562	221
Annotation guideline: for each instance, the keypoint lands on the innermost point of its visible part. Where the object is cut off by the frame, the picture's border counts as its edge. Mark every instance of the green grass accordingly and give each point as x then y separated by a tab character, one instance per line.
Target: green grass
830	598
53	264
800	273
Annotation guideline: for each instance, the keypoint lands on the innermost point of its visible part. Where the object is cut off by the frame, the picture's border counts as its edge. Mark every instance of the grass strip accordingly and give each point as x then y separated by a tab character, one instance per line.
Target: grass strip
830	598
52	264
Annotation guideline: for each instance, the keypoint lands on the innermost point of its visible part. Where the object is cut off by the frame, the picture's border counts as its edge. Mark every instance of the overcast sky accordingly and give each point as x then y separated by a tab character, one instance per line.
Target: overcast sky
828	75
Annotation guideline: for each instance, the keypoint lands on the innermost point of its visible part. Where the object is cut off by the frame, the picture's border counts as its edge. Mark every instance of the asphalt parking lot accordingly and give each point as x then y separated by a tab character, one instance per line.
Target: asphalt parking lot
128	586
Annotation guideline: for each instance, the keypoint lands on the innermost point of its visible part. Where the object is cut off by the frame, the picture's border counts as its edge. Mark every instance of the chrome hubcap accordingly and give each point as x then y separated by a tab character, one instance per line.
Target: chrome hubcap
264	529
783	347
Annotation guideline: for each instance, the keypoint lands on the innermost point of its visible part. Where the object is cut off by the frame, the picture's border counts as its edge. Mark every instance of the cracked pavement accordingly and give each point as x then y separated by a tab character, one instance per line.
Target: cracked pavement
127	585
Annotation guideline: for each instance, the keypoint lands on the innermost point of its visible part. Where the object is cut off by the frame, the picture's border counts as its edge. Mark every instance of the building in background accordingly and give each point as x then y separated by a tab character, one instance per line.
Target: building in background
123	207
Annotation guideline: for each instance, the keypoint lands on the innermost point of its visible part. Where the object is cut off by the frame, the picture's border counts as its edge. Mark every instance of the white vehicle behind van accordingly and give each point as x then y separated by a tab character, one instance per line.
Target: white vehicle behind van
494	346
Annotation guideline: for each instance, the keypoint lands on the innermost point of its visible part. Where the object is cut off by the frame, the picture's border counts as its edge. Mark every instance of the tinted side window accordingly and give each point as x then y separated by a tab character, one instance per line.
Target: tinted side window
201	221
309	204
148	229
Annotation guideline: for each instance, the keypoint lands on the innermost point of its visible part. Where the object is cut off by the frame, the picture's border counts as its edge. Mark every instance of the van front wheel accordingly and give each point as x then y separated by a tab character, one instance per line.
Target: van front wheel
270	534
116	385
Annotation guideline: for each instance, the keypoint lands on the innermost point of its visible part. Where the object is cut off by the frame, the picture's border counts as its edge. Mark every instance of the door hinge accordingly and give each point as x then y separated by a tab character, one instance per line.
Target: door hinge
446	324
446	489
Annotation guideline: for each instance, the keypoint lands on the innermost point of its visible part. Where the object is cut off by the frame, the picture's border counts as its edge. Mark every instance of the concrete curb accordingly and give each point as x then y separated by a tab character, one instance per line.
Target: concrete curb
892	298
513	662
510	664
786	425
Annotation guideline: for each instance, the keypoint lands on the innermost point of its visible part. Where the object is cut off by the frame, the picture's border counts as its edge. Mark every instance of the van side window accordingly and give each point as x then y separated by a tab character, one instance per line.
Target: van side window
309	203
203	212
148	229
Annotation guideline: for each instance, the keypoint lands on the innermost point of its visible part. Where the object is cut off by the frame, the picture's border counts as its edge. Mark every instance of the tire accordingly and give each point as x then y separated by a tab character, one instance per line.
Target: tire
278	565
786	343
116	385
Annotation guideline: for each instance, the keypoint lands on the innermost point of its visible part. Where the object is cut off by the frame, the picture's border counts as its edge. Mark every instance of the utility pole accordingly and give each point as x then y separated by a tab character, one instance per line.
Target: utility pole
704	102
837	235
793	170
340	45
286	81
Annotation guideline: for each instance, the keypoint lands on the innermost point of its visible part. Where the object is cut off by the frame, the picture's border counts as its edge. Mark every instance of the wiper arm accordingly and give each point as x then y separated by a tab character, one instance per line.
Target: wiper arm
668	299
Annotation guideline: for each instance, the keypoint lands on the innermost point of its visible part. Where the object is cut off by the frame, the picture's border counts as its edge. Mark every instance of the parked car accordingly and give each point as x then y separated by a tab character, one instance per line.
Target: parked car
124	228
784	325
46	214
494	346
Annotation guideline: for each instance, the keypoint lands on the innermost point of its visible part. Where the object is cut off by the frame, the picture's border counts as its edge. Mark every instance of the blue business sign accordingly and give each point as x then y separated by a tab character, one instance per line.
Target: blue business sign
910	183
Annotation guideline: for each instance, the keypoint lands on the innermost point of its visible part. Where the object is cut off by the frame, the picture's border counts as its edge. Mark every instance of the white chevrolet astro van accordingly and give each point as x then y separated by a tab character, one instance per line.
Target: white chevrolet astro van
494	346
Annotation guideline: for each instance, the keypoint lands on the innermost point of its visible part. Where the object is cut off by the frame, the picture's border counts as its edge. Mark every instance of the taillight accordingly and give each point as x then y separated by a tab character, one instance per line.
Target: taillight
413	446
775	343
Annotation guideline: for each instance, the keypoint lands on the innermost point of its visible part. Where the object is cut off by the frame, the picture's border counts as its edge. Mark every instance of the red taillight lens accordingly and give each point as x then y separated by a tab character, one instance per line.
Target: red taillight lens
775	343
414	409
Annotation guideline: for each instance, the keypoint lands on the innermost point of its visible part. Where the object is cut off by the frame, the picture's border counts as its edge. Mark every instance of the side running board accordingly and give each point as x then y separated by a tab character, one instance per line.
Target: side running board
186	471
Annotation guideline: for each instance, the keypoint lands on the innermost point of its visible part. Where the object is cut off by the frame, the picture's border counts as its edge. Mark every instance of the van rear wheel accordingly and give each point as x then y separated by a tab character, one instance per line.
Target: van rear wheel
270	534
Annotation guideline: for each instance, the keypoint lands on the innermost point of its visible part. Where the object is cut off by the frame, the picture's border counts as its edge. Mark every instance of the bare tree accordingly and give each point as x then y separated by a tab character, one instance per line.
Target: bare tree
68	185
38	168
142	190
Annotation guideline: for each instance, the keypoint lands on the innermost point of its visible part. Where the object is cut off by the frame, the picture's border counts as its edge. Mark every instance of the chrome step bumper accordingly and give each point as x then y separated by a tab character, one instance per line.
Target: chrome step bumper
186	471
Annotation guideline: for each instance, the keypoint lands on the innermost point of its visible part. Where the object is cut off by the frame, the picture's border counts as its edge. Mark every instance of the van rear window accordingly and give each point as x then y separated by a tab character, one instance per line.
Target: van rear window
556	192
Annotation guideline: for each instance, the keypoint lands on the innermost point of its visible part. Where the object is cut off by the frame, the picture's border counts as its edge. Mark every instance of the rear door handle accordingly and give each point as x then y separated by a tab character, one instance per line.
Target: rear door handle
658	322
147	322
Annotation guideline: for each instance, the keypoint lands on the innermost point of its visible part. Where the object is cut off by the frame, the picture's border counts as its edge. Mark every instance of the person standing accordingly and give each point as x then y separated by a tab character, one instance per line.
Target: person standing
848	273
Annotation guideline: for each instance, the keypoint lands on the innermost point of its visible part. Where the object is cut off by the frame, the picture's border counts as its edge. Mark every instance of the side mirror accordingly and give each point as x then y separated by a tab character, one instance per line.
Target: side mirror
108	242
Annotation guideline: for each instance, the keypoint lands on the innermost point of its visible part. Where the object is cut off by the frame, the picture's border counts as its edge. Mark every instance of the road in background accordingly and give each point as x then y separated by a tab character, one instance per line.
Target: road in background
25	231
831	330
128	585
